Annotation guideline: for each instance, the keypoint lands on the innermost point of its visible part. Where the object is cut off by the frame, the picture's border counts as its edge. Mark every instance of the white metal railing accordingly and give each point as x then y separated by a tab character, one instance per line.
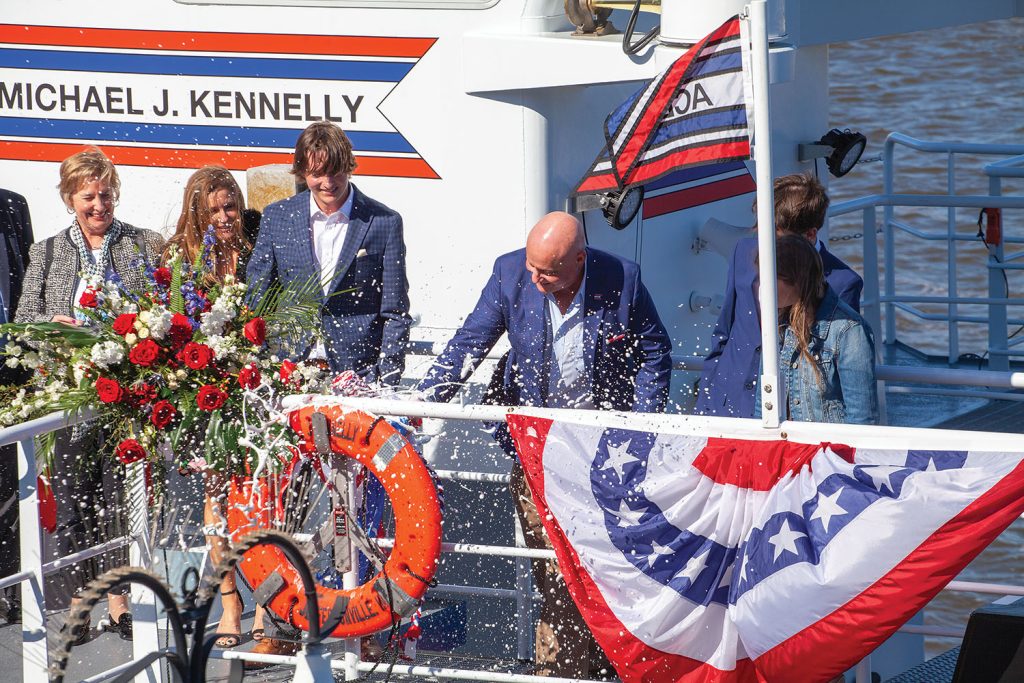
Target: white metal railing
35	659
1010	167
34	626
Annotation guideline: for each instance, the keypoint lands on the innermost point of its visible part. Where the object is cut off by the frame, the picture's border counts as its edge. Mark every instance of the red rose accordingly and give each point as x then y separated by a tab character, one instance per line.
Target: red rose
181	330
142	393
124	323
145	353
210	397
249	377
196	356
129	451
163	414
88	299
287	368
162	276
108	390
256	331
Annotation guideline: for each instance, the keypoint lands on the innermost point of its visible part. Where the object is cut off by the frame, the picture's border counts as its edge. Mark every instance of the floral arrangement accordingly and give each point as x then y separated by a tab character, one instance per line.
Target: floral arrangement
185	364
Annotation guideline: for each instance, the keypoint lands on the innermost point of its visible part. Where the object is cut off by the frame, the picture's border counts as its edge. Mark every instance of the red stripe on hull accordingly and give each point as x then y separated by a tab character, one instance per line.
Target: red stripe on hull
194	158
696	196
137	39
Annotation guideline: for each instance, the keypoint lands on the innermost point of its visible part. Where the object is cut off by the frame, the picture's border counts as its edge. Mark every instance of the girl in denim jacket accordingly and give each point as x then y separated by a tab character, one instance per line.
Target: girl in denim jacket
827	358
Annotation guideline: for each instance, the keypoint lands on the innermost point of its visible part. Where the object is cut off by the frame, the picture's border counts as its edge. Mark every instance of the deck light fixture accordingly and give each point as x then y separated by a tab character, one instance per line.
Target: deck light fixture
620	208
841	149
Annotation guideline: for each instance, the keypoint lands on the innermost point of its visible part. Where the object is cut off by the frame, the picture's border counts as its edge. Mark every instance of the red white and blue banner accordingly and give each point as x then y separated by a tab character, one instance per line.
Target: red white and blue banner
183	99
696	112
733	560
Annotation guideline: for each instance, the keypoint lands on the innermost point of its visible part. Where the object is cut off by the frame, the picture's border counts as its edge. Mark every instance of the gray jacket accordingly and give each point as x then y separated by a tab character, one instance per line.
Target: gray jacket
54	265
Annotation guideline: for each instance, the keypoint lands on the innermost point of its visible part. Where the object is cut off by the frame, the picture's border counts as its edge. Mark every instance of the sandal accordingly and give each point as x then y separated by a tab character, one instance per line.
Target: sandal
84	631
226	641
258	634
122	627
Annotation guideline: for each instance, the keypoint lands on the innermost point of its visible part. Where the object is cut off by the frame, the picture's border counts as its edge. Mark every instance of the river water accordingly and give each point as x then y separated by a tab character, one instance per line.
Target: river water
963	84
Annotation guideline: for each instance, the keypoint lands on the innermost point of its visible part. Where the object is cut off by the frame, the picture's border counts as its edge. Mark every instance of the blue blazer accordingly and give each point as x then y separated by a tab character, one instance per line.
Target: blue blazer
728	384
626	348
365	329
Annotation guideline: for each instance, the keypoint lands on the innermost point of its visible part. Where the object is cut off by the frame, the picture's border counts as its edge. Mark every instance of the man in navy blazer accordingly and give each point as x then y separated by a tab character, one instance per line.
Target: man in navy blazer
353	245
584	333
626	361
729	380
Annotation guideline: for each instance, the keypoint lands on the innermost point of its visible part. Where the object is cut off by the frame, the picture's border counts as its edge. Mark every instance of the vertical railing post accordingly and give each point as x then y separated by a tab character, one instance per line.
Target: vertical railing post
953	312
350	579
888	161
862	674
772	393
997	289
145	629
34	660
870	301
524	598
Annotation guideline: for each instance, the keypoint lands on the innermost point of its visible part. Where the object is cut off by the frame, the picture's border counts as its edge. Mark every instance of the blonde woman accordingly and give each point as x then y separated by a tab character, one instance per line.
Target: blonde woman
89	488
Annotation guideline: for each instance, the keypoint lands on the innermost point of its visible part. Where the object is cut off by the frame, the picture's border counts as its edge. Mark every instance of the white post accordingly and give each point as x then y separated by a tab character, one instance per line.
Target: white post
350	579
34	660
146	635
771	393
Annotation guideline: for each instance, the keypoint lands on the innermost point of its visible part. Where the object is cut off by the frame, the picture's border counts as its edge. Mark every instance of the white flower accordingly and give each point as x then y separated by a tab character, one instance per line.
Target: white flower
222	346
143	333
144	317
12	362
32	360
159	322
13	350
79	372
130	339
106	354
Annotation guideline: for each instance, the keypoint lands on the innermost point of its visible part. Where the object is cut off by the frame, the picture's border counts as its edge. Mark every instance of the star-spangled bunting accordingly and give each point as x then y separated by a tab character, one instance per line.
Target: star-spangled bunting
735	560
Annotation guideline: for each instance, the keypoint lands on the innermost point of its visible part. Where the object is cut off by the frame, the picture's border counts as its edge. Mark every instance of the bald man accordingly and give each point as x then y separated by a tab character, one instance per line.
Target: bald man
584	333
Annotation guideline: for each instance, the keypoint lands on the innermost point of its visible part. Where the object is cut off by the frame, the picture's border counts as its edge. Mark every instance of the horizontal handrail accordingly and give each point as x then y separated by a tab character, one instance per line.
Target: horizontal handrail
480	549
940	201
951	147
1012	167
86	554
42	425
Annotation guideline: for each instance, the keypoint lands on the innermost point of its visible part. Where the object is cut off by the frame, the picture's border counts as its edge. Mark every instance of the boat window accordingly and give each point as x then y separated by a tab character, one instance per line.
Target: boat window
383	4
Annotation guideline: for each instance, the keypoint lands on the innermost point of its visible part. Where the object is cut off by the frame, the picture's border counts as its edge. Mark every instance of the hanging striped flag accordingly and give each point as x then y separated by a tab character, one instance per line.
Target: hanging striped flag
696	112
741	561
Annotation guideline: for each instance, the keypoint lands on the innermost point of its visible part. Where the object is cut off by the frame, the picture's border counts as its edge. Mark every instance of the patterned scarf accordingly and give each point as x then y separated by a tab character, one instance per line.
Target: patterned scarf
95	268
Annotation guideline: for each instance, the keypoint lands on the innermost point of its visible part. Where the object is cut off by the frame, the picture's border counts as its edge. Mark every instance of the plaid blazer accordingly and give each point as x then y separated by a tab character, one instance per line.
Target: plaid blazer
54	265
365	315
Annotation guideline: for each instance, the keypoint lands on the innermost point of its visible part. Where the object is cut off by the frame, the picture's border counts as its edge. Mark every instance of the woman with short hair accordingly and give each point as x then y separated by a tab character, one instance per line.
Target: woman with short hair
87	481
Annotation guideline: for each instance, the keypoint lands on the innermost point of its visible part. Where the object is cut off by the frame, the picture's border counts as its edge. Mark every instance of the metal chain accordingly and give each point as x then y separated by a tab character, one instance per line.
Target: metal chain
854	236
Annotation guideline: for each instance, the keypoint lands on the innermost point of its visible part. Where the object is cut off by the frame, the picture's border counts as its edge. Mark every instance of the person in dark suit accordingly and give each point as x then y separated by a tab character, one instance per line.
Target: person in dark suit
353	246
584	334
729	380
16	232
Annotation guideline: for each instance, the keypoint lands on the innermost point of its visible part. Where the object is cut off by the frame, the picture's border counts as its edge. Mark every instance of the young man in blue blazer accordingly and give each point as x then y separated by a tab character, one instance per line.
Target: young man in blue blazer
584	334
353	246
729	379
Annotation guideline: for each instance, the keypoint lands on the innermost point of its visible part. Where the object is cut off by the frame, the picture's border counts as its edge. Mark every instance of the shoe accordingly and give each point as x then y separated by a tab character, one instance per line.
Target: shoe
226	641
271	646
123	628
257	634
10	610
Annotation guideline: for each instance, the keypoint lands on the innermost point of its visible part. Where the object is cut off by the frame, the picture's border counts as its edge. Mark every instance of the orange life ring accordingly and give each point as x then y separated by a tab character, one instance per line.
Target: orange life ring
394	592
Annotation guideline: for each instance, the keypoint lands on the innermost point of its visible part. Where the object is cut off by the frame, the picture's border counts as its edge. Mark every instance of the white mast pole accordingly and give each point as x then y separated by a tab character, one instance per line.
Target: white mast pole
771	396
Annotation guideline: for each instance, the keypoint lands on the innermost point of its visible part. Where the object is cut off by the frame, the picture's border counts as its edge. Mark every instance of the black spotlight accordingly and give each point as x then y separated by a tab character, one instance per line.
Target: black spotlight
620	208
841	149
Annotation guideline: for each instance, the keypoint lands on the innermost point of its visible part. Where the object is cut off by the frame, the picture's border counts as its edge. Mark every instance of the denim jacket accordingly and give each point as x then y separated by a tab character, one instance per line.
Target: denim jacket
844	350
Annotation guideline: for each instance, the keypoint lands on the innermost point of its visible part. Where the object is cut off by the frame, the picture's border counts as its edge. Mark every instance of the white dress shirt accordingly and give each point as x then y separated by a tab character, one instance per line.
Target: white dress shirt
328	238
568	383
